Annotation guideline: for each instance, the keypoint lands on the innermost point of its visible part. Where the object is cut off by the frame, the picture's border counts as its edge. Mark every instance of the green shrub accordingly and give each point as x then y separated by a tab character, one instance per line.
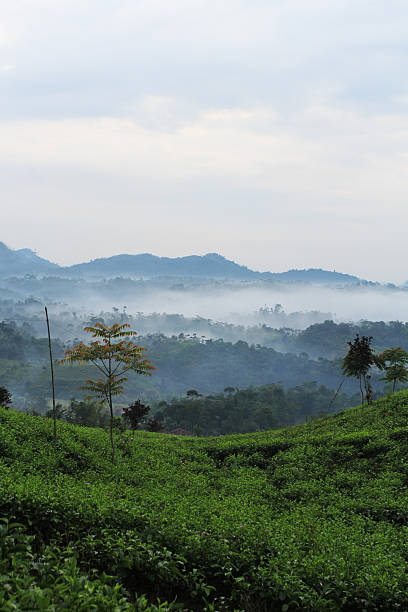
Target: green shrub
314	517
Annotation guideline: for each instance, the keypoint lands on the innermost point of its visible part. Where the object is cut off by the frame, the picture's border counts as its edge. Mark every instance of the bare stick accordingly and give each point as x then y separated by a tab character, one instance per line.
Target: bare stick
335	395
54	412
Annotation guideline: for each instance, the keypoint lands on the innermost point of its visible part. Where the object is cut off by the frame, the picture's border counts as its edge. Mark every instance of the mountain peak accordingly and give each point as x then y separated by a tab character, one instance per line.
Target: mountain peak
214	257
23	261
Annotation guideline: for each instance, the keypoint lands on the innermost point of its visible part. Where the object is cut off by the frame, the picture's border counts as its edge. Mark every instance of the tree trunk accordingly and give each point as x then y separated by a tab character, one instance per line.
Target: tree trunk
362	394
111	407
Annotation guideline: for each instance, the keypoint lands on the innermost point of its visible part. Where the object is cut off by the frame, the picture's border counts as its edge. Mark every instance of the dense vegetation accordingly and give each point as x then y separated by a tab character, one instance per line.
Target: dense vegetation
185	362
312	517
233	411
182	363
270	327
246	410
17	345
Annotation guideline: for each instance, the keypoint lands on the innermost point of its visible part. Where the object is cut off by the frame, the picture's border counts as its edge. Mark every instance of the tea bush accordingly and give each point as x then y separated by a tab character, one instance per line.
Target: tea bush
312	517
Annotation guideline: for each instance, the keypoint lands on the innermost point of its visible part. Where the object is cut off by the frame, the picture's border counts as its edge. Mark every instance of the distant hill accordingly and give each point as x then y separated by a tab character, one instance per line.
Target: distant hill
211	265
23	261
313	275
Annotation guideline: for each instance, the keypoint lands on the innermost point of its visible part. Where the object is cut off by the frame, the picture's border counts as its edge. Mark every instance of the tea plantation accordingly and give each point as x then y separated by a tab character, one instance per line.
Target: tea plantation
313	517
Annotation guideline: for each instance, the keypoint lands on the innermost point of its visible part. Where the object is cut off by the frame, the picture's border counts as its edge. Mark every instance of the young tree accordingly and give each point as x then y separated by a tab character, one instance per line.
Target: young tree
5	398
135	413
114	355
155	424
394	362
193	393
358	361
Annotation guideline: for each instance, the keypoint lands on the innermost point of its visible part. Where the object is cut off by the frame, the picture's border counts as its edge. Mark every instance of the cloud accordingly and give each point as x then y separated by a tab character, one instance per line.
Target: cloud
272	131
246	182
103	58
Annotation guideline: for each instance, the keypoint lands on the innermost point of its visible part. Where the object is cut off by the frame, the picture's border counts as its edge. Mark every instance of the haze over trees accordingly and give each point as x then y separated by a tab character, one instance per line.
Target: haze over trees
264	346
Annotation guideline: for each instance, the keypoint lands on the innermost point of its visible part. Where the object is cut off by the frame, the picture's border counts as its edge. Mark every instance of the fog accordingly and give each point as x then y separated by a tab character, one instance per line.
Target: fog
242	306
277	305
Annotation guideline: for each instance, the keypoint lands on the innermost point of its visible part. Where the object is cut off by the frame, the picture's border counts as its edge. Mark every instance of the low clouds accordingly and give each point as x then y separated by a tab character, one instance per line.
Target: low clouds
274	132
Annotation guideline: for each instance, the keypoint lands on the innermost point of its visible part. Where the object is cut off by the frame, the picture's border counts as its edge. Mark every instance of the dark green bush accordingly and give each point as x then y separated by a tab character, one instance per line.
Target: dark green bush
313	517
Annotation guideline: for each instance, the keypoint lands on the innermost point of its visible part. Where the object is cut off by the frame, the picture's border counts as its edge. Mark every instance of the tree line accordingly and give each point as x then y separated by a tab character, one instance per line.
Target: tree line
113	352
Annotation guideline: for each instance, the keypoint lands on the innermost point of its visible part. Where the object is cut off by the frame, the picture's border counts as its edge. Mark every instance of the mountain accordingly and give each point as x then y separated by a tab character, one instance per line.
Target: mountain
211	265
23	261
313	275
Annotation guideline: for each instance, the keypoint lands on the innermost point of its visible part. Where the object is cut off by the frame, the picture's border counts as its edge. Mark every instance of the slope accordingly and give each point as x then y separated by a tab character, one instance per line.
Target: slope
23	261
313	517
212	265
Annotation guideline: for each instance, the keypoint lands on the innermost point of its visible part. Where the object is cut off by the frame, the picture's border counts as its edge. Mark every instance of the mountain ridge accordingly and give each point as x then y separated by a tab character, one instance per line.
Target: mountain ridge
211	265
23	261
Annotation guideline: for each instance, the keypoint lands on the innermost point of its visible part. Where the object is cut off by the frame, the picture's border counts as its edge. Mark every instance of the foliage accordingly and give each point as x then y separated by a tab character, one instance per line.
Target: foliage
19	346
5	397
113	356
252	409
206	365
211	365
88	413
155	424
312	517
135	413
394	361
358	361
35	577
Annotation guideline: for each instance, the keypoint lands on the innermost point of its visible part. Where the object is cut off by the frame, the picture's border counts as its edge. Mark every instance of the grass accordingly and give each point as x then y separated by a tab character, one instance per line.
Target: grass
312	517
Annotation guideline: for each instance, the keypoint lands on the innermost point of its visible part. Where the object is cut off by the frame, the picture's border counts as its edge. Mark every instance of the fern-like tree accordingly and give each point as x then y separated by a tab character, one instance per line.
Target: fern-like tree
358	361
114	353
395	364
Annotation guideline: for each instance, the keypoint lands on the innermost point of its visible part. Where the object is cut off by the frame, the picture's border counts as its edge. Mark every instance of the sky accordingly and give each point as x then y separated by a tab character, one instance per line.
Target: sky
273	132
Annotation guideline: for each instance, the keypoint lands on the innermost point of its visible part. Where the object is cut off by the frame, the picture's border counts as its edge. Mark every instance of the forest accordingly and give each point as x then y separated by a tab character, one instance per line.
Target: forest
183	362
246	410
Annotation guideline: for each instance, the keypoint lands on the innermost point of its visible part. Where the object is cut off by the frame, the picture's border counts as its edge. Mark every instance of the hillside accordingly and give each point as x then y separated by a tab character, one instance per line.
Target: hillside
182	363
23	261
211	265
312	517
145	265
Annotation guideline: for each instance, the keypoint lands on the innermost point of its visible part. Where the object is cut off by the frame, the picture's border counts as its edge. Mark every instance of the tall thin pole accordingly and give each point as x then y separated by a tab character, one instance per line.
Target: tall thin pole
54	412
336	394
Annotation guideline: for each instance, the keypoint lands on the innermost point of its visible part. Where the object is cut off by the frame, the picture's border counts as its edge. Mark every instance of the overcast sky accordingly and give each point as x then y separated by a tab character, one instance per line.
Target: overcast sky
274	132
